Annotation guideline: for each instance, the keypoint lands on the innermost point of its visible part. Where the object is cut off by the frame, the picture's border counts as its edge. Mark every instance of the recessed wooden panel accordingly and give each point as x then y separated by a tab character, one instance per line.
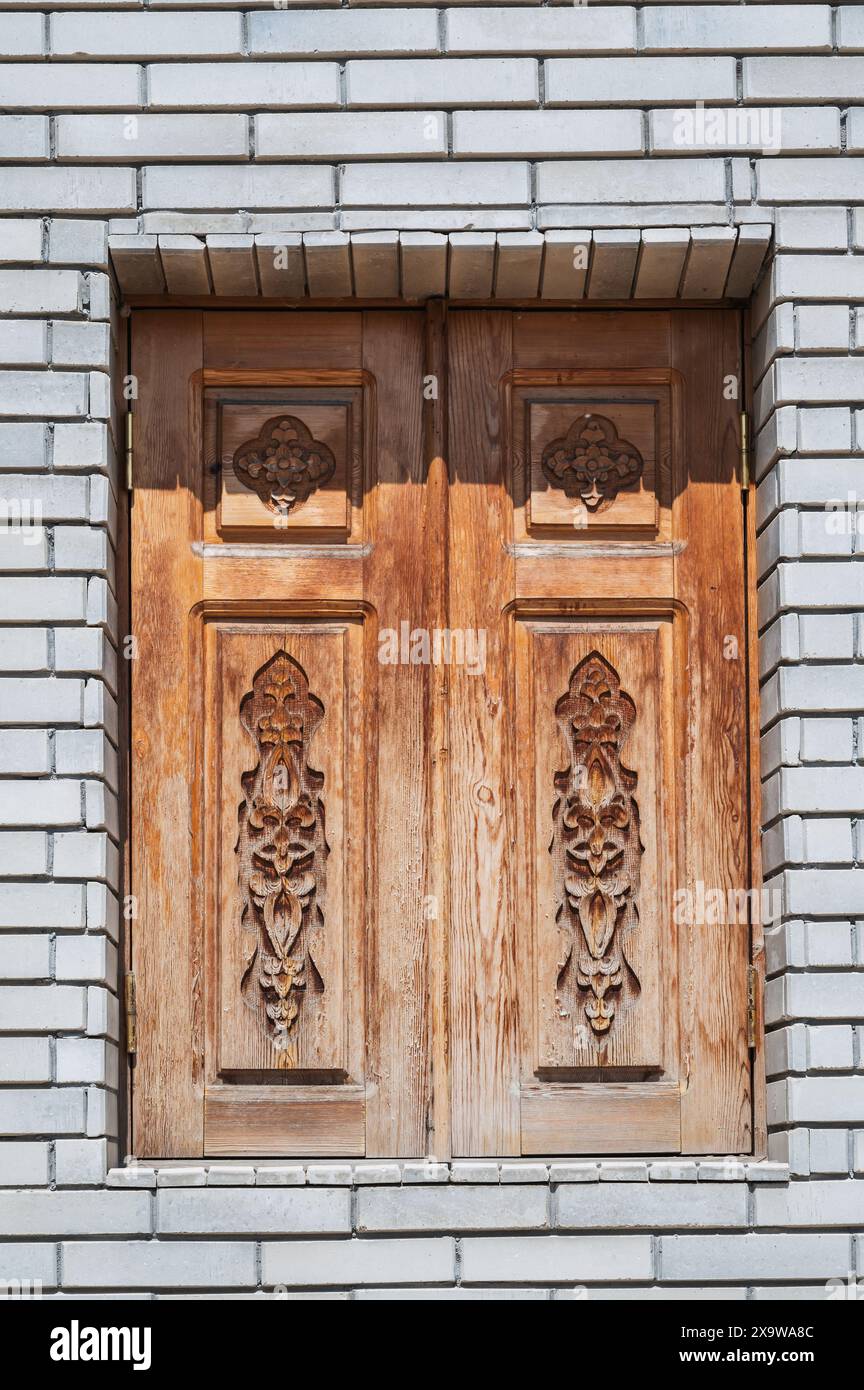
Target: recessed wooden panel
285	794
596	728
284	464
272	1121
591	460
601	1119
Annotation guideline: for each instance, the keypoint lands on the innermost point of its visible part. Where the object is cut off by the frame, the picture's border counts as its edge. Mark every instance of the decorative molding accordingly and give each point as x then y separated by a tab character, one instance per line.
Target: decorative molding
592	462
284	465
281	848
595	843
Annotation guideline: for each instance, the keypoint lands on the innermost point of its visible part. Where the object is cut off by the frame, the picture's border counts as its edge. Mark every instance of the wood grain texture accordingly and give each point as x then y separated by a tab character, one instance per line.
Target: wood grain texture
601	1119
484	1037
167	944
275	1122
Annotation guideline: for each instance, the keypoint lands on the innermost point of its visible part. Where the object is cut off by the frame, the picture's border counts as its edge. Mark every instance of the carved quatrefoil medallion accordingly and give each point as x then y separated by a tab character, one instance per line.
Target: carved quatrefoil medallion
596	844
591	462
284	465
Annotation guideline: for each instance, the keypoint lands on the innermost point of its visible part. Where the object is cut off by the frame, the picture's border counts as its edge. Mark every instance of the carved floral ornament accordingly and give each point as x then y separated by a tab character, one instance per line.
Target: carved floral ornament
284	465
596	845
591	462
281	847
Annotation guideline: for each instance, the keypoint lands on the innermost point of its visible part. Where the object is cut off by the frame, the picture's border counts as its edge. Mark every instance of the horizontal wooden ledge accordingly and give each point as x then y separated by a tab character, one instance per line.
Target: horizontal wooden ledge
698	264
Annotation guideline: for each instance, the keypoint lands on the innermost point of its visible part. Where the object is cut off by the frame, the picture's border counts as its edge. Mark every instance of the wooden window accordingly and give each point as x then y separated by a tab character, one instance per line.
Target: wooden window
439	713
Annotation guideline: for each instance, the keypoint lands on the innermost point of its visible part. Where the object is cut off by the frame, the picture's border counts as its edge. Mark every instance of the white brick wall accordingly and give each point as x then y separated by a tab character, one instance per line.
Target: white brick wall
189	123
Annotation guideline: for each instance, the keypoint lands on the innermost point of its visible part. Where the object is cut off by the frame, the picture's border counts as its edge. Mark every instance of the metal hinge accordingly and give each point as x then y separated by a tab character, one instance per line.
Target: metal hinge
752	1004
129	451
131	1013
744	448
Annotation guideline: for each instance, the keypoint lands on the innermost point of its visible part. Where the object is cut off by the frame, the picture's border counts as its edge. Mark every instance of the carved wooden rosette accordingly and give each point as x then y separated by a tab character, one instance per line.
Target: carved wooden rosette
595	844
591	462
284	465
281	848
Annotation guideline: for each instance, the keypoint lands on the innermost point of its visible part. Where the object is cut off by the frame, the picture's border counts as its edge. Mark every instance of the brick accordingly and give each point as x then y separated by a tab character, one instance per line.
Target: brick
59	1111
20	238
76	242
24	138
23	648
40	905
819	277
145	35
344	1263
23	343
634	181
765	129
350	136
42	393
80	345
330	34
442	82
542	133
817	229
212	186
89	958
21	35
230	1175
469	1208
25	1061
84	854
158	1264
41	1008
87	1061
803	79
30	1263
304	86
69	1213
24	957
82	548
130	139
823	327
279	1175
518	30
457	184
25	849
40	803
40	291
810	180
825	1099
81	1162
622	1206
756	28
32	700
636	81
277	1211
558	1259
752	1257
23	1164
69	190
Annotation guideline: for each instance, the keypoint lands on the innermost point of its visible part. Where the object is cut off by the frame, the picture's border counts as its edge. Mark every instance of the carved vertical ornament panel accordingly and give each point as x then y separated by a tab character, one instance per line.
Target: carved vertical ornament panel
596	847
282	849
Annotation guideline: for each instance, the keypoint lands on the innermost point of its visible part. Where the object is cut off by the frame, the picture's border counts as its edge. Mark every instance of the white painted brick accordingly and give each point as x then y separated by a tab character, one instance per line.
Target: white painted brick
40	291
82	548
541	133
823	327
81	1162
337	1263
59	905
132	1174
850	27
40	803
27	850
329	34
20	238
303	86
21	35
76	242
102	1113
828	637
86	751
26	1261
24	550
289	1211
42	393
462	1208
811	1204
442	82
828	841
279	1175
84	854
825	1099
41	1008
60	499
629	1207
809	892
25	957
23	342
24	750
31	700
351	136
103	1013
24	138
125	139
426	1171
452	1295
72	85
22	446
755	129
23	648
831	1049
582	29
80	446
756	28
810	180
150	1264
561	1259
230	1175
824	277
817	229
803	79
146	34
458	184
69	190
634	181
213	186
23	1164
25	1061
754	1256
88	1061
80	345
58	1111
829	1153
86	958
826	740
636	81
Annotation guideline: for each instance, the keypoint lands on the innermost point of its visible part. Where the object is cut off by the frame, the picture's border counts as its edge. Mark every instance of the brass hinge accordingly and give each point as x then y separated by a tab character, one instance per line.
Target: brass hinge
744	448
129	451
131	1013
752	1004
